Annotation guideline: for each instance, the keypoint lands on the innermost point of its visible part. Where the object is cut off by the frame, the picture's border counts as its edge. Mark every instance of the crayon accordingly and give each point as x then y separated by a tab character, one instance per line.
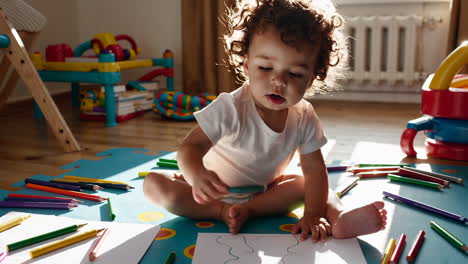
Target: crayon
170	258
426	207
413	253
169	160
13	222
449	237
111	210
397	178
167	165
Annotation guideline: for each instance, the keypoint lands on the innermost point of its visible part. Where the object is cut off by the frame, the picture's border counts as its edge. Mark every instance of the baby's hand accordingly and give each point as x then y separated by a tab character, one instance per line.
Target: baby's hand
317	226
208	187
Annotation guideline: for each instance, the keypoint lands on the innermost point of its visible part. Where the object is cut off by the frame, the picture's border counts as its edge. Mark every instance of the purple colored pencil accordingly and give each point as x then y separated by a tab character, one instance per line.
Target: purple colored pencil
19	204
41	200
337	168
427	207
54	184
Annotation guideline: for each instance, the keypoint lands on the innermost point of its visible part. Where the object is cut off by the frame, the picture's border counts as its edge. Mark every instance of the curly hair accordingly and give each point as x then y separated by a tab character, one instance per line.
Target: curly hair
314	21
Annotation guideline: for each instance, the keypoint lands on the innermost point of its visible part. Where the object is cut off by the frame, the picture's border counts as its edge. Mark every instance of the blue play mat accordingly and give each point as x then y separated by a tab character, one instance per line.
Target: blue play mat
179	234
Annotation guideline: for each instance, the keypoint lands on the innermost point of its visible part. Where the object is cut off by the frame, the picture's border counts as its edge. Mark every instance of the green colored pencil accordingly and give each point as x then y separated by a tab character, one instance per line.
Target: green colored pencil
247	189
167	165
398	178
40	238
170	258
169	160
449	237
111	210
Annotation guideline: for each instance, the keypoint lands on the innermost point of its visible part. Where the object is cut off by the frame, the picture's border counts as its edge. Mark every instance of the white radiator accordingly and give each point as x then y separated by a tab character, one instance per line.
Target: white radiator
385	49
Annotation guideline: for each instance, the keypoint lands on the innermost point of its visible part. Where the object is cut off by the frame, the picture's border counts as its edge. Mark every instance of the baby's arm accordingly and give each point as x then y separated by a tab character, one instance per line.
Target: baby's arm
206	185
315	197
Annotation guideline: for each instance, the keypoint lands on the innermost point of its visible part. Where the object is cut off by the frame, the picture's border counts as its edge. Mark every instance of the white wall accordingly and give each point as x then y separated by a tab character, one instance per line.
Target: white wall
154	24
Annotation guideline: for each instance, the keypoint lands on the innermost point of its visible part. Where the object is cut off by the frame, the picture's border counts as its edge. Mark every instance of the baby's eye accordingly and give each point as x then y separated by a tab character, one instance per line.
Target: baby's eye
265	68
295	75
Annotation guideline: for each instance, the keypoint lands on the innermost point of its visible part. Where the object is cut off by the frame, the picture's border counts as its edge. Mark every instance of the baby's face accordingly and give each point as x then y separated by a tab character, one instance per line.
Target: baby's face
278	74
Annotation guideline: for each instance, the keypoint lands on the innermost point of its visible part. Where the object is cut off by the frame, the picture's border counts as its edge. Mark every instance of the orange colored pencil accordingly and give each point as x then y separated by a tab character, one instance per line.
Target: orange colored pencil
66	192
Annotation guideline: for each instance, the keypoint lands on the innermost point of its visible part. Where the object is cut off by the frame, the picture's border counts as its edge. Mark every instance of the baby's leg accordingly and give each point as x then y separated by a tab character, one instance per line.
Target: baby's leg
280	198
359	221
176	196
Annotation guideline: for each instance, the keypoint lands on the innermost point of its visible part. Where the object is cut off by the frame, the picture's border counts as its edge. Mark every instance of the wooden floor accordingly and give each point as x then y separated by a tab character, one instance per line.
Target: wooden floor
361	132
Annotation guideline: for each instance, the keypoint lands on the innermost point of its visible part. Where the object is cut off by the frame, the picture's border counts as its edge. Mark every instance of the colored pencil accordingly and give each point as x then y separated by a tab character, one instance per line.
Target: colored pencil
337	168
355	170
144	173
426	207
348	187
421	176
45	197
169	160
167	165
449	237
84	179
2	256
63	243
397	178
374	174
53	184
363	165
94	250
398	249
13	222
388	251
112	185
246	189
43	237
413	253
66	192
44	205
438	175
39	200
111	210
86	186
170	258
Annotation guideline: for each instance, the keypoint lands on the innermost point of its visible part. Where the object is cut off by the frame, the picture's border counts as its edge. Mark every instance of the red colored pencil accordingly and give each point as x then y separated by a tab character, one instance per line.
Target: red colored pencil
375	174
415	247
97	245
42	197
365	169
66	192
398	249
421	176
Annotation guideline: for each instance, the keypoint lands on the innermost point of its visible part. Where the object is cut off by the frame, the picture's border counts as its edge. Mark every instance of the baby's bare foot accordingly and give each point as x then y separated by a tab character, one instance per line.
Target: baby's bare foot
360	221
234	215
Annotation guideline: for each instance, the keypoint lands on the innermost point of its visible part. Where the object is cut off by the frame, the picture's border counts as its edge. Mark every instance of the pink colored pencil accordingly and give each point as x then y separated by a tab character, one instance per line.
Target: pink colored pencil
2	256
97	245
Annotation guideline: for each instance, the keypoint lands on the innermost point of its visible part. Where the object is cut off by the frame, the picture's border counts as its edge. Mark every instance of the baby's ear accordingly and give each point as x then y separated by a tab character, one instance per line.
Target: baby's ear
245	65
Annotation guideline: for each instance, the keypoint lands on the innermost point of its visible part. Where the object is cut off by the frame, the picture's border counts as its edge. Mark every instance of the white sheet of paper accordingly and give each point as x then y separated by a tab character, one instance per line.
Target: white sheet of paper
274	248
125	243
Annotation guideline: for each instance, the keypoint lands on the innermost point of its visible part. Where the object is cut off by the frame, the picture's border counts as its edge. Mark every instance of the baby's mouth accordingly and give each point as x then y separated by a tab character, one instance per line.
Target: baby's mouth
276	99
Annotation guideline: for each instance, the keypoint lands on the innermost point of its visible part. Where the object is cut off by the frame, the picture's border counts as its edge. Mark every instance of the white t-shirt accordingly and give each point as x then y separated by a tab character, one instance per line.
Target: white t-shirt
245	150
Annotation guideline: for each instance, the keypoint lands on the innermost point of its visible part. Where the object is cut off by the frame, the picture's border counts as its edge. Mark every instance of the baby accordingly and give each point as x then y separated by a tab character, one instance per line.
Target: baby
284	49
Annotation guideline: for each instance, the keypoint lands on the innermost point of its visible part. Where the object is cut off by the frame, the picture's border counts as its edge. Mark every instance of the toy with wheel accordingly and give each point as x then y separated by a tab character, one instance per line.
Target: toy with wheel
445	106
180	106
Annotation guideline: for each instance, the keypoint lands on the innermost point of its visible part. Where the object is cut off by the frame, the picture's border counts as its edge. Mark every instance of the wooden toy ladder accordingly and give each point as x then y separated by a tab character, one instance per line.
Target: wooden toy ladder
18	56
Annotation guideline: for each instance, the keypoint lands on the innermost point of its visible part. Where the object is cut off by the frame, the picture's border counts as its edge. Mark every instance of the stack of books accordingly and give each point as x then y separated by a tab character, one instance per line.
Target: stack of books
128	104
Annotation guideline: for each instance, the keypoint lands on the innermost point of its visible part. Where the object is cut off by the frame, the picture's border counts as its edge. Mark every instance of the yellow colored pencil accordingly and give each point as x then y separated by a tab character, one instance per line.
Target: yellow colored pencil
388	251
63	243
84	179
13	222
143	173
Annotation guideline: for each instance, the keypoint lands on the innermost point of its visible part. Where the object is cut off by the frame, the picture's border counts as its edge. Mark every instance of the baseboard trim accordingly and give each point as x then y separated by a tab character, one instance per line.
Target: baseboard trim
386	97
